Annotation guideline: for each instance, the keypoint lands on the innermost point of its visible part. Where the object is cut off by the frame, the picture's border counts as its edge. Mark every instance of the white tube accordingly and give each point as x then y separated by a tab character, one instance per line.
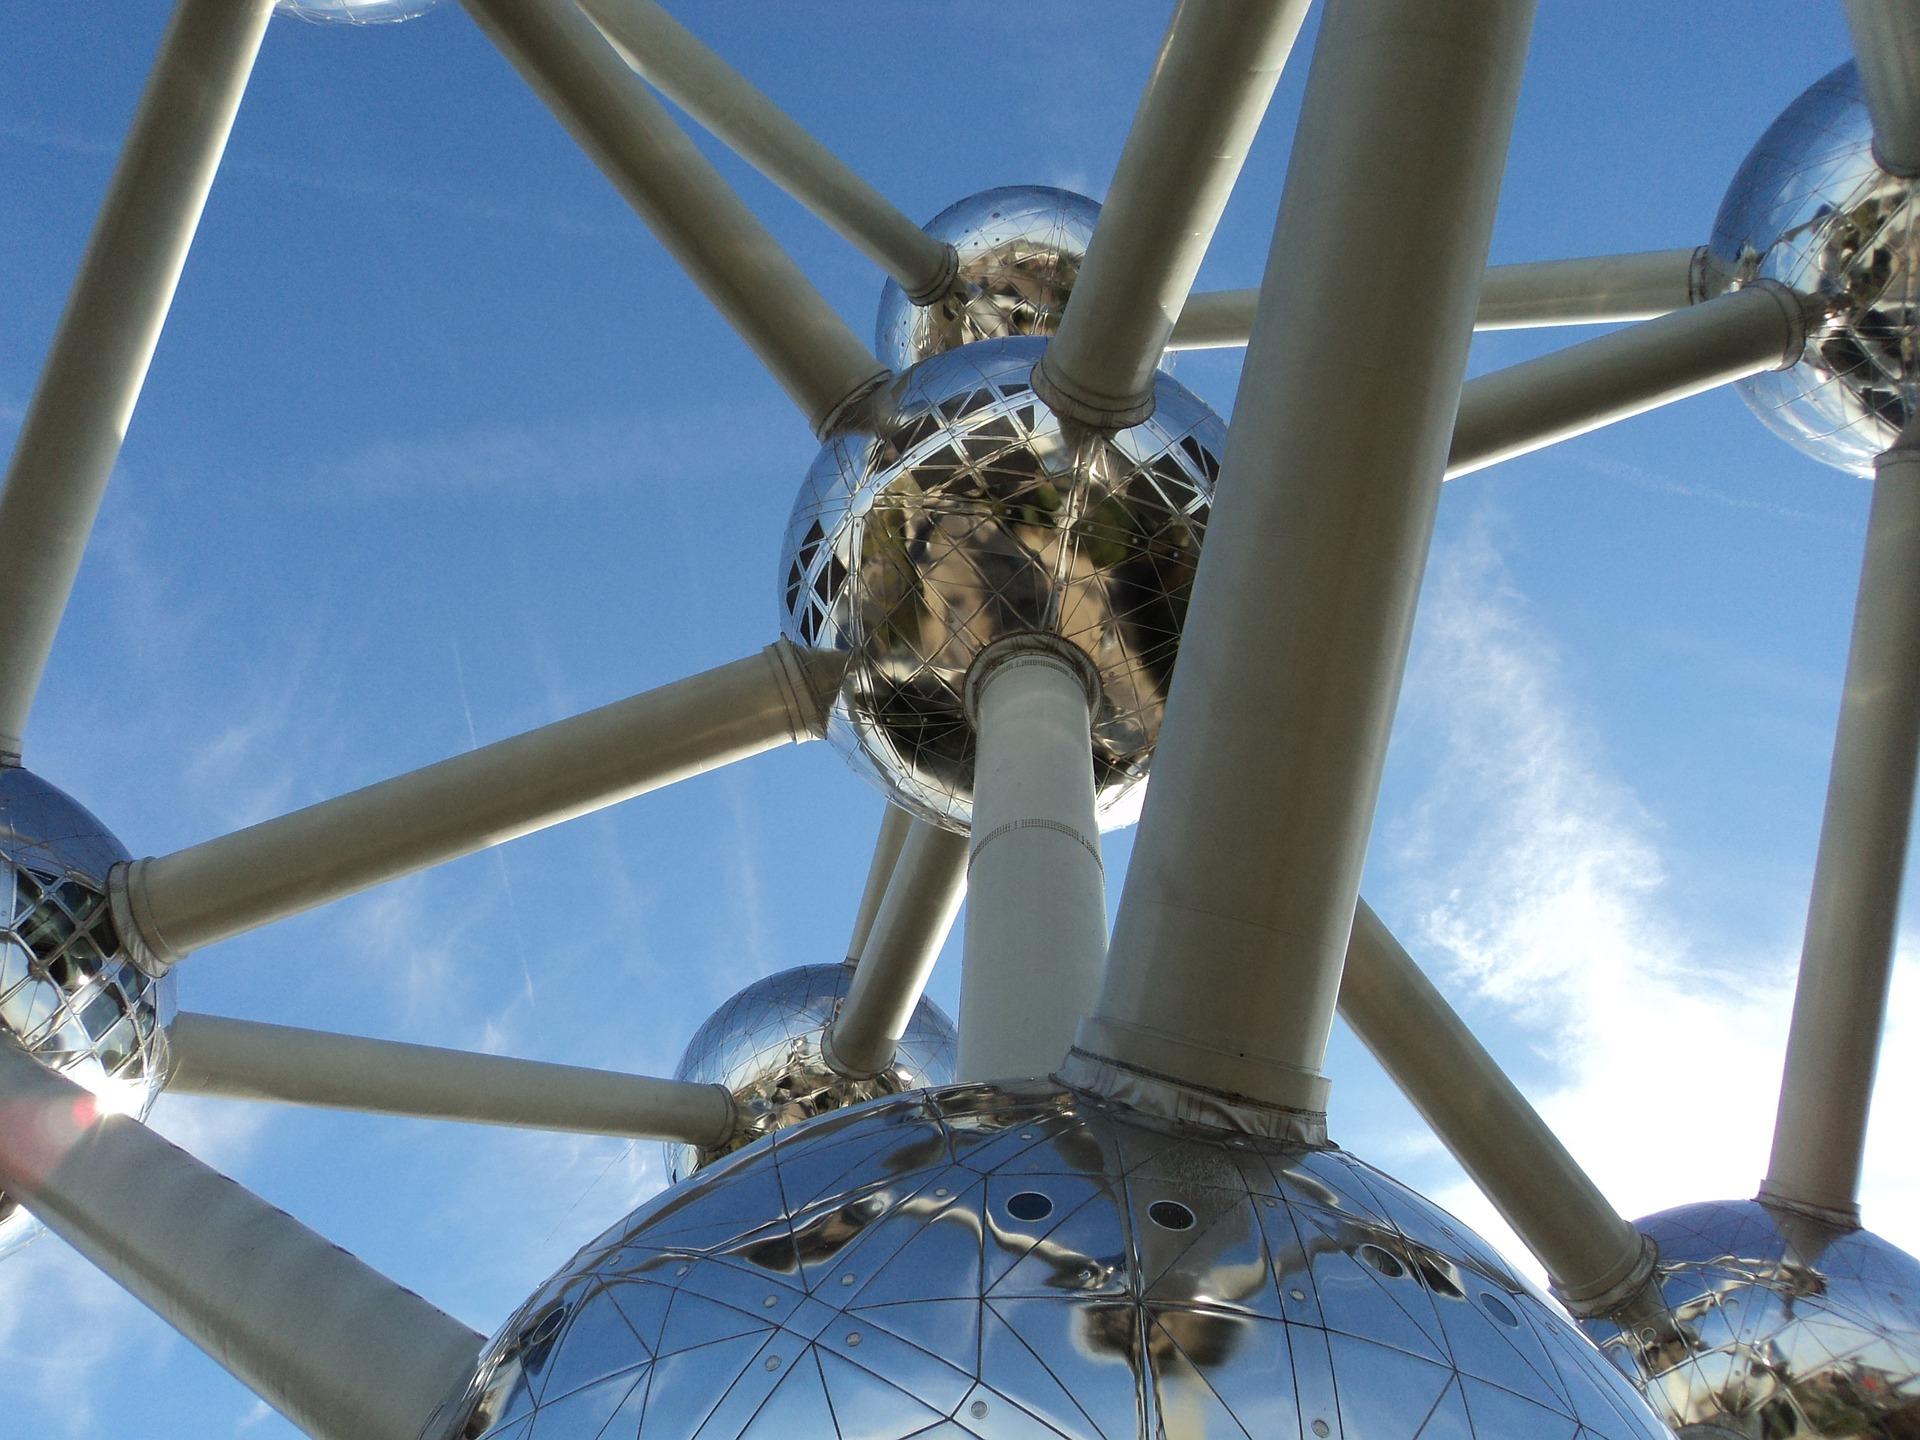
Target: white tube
1886	42
71	435
1239	900
1036	930
246	1060
729	254
336	1347
675	62
922	897
1210	87
895	826
1846	963
168	906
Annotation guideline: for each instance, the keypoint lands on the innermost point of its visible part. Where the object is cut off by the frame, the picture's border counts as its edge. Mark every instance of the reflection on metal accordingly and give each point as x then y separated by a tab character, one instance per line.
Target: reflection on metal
1783	1328
68	993
969	512
764	1047
1030	1261
354	12
1810	209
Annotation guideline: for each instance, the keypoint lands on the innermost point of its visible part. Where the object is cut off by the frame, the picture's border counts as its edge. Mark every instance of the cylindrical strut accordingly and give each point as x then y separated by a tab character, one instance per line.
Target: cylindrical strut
1036	930
73	428
895	826
1886	44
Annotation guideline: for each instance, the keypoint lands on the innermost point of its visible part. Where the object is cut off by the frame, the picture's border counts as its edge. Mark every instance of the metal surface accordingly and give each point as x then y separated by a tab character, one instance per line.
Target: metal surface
1846	962
895	826
1810	209
968	513
168	906
1030	1262
1886	39
764	1047
1780	1328
1239	898
71	434
68	993
246	1060
354	12
334	1346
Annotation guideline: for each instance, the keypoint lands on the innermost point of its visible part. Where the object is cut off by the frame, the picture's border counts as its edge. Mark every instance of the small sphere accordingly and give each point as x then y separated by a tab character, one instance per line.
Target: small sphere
968	511
1810	209
764	1046
1783	1326
1027	1260
1019	249
68	993
354	12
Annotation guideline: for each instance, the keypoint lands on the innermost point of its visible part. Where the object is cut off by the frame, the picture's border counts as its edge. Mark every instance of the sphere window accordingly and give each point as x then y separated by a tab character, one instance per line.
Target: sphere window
1029	1205
1498	1309
1382	1260
1170	1215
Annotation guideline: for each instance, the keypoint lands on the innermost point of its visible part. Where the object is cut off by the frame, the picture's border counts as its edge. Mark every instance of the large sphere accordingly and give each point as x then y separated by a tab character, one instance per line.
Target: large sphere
354	12
67	991
968	512
1810	209
1031	1261
1784	1328
1019	250
764	1046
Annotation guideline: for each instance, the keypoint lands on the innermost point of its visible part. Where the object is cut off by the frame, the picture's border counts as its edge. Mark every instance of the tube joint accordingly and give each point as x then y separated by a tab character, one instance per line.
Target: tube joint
1706	276
941	283
1102	412
1800	312
132	912
807	680
1841	1217
1154	1093
1029	647
850	408
1622	1293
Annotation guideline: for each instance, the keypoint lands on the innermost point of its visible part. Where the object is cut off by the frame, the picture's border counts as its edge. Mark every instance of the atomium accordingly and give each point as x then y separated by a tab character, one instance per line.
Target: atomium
967	511
68	993
1783	1328
1027	1260
764	1046
355	12
1810	209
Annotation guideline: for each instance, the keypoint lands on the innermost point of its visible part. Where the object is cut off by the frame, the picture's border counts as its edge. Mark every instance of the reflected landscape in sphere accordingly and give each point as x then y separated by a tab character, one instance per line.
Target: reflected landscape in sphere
967	511
67	991
764	1046
1785	1328
1030	1261
354	12
1810	209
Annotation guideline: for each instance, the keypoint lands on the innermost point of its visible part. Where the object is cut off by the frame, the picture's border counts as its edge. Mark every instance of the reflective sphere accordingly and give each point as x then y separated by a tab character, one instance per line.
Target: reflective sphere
764	1046
1784	1329
967	512
1811	209
1019	250
354	12
67	993
1030	1261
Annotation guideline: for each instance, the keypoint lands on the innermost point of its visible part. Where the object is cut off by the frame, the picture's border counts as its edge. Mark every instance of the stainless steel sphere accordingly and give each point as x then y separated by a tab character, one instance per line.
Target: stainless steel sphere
764	1046
67	992
967	512
1784	1328
1019	250
1030	1261
354	12
1810	209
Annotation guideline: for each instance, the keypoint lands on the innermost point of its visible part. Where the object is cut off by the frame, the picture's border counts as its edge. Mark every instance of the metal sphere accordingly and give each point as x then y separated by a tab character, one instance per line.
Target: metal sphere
1784	1328
967	512
1028	1260
68	994
764	1046
1019	250
1810	209
354	12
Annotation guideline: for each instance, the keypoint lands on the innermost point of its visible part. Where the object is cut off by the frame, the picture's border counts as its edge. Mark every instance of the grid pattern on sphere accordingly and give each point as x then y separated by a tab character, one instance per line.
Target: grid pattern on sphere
971	512
1790	1330
764	1046
67	992
1025	1261
1810	209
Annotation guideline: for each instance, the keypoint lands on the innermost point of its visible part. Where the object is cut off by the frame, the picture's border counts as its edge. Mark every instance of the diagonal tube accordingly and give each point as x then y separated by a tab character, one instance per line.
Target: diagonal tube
168	906
1210	87
246	1060
729	254
335	1346
895	826
73	428
672	59
1233	924
1886	45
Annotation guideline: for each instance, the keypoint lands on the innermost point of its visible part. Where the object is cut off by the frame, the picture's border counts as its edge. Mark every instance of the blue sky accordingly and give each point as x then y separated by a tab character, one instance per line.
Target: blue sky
439	445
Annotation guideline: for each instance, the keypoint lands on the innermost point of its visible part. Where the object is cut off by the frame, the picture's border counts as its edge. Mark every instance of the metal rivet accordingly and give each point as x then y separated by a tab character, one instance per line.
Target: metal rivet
1298	1294
847	1279
683	1270
853	1337
1320	1428
771	1301
978	1409
773	1362
941	1192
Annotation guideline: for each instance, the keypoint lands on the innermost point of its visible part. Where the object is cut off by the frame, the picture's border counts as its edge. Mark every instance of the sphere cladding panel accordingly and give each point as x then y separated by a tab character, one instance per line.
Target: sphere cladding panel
764	1045
354	12
968	512
1019	249
68	993
1783	1327
1028	1261
1810	209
